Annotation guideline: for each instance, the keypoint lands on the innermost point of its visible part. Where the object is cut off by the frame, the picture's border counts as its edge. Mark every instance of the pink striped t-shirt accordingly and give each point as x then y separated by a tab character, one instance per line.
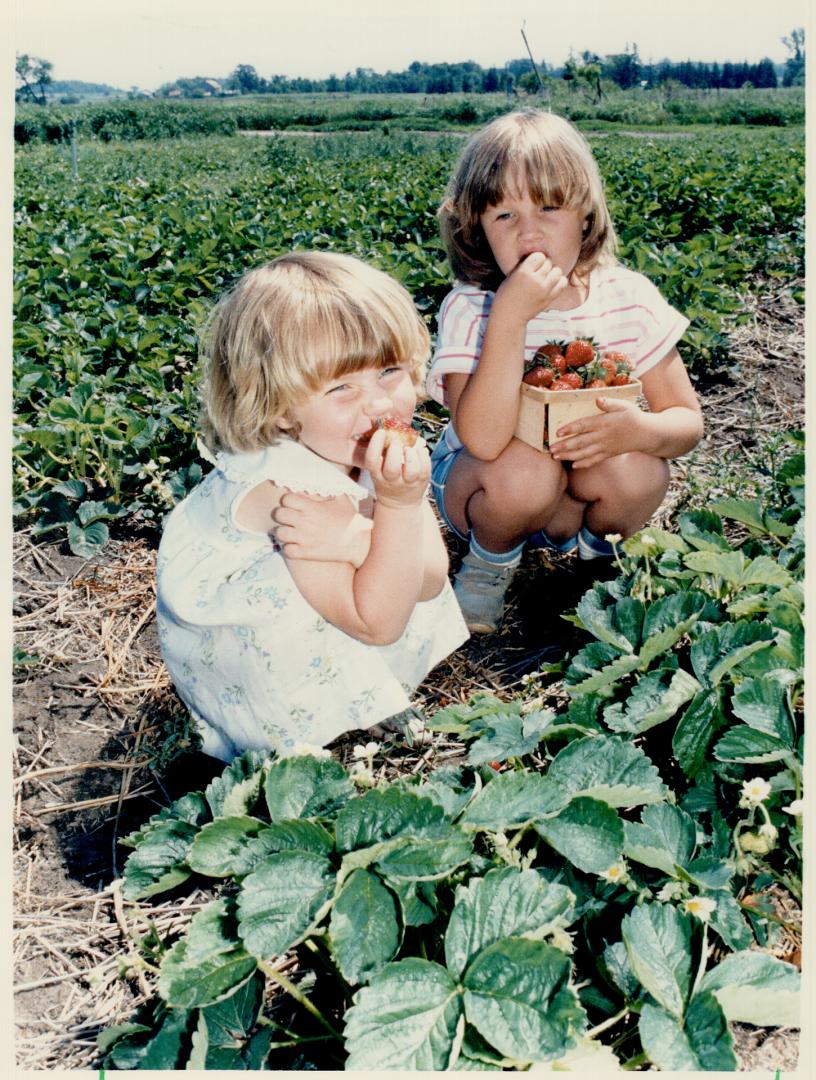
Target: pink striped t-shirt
623	311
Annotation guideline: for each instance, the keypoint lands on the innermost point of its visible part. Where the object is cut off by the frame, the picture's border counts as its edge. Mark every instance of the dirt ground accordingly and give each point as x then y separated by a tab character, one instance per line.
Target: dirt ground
94	714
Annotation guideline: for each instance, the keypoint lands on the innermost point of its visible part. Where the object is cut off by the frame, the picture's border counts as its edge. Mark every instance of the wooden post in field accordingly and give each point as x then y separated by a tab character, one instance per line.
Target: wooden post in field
535	69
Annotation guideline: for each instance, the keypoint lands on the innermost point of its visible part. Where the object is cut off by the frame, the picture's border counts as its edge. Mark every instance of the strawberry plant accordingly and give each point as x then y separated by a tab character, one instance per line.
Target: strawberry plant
585	889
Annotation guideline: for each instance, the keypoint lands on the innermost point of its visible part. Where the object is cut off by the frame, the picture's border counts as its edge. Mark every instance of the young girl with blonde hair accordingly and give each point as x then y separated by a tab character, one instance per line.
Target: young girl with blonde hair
530	240
302	586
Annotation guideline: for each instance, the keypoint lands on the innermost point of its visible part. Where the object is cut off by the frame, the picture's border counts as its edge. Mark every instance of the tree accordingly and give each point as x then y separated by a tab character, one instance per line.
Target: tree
623	68
33	75
246	80
795	64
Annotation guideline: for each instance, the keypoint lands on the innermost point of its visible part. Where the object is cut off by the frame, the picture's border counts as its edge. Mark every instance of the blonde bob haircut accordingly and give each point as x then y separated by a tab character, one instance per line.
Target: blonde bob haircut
558	166
291	326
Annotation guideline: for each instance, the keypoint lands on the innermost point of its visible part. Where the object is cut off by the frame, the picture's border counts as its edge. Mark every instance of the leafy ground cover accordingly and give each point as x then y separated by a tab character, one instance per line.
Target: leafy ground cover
114	274
93	710
559	884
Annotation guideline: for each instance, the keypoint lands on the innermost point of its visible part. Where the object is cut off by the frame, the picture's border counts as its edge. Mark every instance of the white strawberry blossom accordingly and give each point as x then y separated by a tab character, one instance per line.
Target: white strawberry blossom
361	774
796	808
755	791
701	907
616	873
360	752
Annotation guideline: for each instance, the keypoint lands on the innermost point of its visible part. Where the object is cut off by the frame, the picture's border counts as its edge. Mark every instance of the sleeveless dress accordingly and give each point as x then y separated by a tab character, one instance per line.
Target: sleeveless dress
255	664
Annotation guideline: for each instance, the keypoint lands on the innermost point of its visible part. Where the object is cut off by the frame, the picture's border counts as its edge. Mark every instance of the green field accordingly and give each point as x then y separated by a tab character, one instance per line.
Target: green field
115	270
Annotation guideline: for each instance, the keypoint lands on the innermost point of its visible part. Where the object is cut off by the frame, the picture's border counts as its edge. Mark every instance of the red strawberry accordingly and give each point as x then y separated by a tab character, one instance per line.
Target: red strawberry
573	379
579	352
397	429
560	384
552	348
539	376
621	380
596	384
558	363
394	429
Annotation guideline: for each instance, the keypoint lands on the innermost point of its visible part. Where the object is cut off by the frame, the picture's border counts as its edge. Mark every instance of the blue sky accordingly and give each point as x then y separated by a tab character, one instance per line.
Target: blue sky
148	42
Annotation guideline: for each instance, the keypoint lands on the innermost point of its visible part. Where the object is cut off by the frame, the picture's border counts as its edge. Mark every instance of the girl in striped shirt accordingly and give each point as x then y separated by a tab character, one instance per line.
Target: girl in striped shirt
530	240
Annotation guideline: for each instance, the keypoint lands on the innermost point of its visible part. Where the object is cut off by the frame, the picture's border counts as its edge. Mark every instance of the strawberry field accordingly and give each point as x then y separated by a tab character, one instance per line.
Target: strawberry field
593	854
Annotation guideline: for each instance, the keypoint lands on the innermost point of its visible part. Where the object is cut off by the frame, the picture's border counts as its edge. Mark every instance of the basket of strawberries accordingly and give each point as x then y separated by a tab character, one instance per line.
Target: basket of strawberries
561	384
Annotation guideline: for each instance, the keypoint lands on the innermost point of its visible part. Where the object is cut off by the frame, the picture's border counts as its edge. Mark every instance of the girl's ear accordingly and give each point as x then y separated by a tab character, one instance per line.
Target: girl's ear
284	423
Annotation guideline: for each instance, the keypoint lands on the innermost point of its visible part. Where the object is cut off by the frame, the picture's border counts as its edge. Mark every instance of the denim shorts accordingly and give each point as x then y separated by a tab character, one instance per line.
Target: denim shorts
444	455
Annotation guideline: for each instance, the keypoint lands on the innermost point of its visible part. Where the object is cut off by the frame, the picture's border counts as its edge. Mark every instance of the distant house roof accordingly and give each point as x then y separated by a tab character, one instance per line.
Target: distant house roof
214	83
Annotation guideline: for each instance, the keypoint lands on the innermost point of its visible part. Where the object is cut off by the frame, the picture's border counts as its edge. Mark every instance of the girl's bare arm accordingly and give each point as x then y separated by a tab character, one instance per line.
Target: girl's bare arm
406	561
484	405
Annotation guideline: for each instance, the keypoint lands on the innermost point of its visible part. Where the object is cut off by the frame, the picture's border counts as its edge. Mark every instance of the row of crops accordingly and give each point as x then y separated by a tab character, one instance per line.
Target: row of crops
118	120
116	268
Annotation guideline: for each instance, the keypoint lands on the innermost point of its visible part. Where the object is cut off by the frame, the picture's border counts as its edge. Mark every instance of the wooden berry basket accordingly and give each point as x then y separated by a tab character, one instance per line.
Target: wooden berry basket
542	411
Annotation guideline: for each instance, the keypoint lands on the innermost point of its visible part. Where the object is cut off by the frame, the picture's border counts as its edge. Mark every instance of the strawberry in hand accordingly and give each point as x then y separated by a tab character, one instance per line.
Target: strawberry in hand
396	430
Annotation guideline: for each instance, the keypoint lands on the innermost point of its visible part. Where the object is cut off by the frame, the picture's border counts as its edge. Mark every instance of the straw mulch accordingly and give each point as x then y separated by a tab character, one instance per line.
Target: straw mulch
94	711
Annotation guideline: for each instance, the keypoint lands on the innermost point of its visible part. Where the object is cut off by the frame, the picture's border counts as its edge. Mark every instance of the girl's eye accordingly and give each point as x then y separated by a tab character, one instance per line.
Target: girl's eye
390	371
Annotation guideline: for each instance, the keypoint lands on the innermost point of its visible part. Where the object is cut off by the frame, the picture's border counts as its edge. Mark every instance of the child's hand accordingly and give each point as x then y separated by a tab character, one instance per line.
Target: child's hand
532	286
617	429
321	529
400	473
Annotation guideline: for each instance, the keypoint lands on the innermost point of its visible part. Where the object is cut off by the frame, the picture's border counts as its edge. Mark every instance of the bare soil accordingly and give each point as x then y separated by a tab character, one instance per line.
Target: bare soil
95	714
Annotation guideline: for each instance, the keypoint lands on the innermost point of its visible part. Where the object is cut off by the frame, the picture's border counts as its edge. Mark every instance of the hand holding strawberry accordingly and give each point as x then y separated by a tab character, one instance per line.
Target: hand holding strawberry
530	288
400	472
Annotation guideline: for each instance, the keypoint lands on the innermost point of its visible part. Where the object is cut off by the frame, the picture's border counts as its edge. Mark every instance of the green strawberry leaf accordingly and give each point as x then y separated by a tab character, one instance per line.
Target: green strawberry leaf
407	1018
504	903
518	997
209	963
364	930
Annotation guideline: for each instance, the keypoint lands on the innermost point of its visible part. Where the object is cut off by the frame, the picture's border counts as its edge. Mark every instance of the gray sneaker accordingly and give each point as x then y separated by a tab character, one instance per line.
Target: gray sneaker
480	587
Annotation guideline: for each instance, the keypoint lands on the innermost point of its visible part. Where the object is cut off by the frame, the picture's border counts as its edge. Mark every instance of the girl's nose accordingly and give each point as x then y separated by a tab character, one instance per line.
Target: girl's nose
530	227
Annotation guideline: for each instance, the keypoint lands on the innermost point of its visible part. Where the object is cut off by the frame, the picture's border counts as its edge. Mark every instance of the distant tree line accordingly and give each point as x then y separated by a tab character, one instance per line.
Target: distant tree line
625	70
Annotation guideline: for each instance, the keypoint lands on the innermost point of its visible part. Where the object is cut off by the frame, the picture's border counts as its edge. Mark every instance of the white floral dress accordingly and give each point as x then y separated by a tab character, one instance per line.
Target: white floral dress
256	665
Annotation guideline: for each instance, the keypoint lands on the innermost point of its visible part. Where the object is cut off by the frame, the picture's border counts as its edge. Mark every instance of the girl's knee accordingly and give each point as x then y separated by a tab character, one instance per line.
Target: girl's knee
632	476
526	478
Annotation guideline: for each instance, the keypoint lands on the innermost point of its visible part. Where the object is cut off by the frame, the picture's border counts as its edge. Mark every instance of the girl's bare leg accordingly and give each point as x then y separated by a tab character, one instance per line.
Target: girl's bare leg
506	500
621	493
